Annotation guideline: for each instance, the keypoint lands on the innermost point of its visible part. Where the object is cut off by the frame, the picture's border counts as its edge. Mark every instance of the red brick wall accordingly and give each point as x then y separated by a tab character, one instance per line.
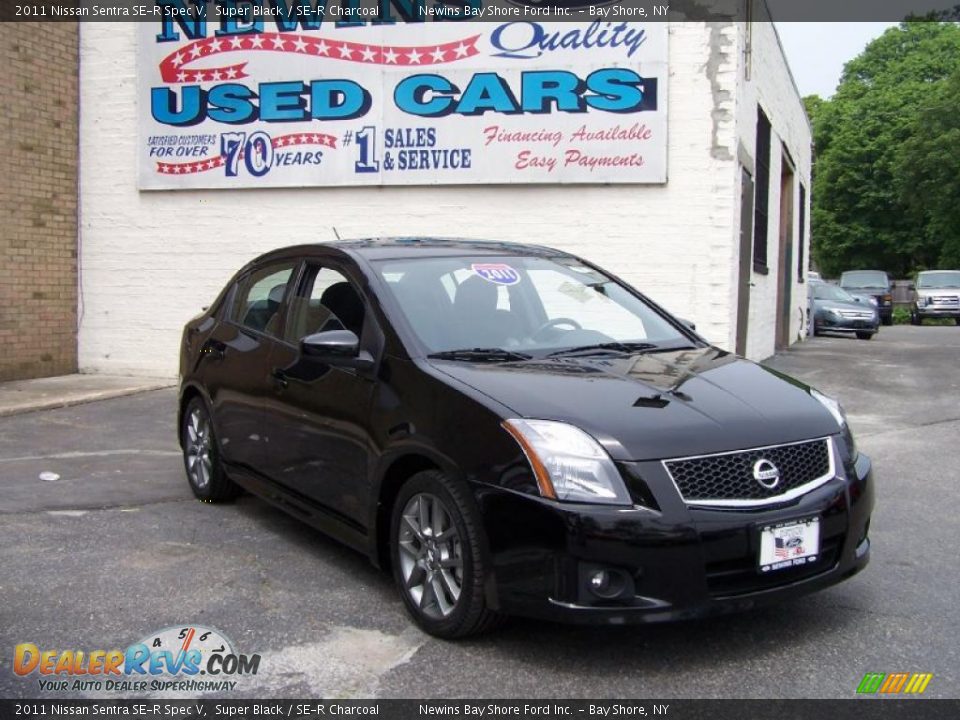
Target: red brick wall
38	199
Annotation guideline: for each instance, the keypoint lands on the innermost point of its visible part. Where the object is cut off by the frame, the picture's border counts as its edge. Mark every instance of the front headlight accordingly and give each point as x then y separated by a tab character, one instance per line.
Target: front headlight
922	301
873	301
568	463
830	404
840	416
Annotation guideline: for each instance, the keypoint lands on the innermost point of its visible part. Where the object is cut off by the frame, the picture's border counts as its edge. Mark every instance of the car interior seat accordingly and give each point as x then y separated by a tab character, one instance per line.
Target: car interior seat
426	305
479	322
346	305
264	314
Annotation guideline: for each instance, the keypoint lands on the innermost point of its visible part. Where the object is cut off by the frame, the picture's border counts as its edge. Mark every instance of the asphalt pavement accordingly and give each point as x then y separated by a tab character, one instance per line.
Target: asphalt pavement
102	544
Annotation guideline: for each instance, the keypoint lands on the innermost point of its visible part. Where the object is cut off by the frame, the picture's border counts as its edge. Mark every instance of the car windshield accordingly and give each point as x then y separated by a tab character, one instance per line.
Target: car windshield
824	291
526	306
864	280
939	280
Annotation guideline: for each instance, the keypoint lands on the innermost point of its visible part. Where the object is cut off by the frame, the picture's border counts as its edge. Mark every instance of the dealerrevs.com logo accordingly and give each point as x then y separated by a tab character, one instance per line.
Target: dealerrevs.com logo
184	659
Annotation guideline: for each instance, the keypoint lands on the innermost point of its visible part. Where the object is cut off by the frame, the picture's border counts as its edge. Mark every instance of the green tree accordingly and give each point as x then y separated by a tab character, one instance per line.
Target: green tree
861	215
930	166
813	104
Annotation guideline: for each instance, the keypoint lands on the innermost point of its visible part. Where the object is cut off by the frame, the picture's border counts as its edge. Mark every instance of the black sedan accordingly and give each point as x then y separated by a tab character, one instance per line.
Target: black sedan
513	431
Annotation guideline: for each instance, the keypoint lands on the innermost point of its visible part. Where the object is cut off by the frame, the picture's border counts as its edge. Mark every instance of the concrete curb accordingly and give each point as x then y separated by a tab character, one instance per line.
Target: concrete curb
37	395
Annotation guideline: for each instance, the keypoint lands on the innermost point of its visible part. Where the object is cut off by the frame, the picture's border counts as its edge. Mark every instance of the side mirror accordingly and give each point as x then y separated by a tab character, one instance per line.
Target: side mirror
336	347
688	323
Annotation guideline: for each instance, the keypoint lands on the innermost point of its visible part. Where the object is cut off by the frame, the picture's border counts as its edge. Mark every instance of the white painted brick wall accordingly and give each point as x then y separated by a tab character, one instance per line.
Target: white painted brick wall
771	85
150	260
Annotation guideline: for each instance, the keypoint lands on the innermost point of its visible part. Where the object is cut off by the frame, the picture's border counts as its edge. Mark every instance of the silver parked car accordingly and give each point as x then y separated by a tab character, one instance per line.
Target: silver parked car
833	309
938	296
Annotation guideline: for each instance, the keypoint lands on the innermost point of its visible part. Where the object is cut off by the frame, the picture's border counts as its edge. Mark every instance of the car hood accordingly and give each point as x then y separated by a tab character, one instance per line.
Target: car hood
656	405
934	292
843	305
866	295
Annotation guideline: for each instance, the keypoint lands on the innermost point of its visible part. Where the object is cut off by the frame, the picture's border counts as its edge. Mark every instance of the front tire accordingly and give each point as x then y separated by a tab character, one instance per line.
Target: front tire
437	557
201	456
915	318
864	335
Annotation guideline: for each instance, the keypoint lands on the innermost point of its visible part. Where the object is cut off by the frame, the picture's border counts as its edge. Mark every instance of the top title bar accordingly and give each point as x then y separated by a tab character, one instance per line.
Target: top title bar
291	15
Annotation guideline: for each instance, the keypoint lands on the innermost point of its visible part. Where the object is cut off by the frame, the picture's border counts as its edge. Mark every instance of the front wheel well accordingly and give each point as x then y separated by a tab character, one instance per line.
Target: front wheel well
400	470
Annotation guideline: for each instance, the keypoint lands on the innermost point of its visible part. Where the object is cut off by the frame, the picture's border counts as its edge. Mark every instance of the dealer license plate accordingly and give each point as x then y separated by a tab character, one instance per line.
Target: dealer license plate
789	544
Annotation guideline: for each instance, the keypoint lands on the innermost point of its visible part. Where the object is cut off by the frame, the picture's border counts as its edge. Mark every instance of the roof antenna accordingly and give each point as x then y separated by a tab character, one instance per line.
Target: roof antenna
336	234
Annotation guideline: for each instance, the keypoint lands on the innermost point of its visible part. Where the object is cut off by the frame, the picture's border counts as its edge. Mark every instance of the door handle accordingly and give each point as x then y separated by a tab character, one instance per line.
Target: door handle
280	378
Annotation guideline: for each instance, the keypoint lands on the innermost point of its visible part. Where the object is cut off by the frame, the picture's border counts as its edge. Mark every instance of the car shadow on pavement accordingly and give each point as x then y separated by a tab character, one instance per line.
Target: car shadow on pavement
706	641
811	619
325	551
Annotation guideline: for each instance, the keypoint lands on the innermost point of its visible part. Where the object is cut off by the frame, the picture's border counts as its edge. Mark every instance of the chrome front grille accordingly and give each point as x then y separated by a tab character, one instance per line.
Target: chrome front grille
728	479
856	314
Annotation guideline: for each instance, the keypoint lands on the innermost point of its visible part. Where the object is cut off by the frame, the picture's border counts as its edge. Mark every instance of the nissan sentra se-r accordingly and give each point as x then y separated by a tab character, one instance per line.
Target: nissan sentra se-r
513	431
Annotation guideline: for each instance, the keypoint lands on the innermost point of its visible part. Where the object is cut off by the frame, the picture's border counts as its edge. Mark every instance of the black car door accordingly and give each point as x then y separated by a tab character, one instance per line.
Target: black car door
317	416
237	357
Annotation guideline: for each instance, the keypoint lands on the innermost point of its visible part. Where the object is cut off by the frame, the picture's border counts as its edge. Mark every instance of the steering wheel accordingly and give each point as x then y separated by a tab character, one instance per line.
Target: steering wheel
554	323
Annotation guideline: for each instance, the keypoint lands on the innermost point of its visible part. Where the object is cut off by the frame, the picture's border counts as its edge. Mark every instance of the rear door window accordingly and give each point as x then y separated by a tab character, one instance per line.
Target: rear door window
258	303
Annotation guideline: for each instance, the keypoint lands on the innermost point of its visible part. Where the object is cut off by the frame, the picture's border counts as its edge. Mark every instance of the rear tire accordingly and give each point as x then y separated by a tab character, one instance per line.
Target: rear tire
864	335
957	320
437	557
201	456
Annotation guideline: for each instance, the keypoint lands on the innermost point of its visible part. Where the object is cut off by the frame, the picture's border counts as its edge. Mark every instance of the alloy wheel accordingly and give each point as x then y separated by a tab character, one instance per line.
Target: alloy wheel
430	555
198	445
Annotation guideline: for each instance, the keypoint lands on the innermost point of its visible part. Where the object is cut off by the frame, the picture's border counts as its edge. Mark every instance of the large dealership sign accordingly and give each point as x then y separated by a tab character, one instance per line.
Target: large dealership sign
273	102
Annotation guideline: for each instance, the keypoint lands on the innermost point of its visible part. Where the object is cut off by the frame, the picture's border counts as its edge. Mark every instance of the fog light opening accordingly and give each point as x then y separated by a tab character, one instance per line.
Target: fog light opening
607	584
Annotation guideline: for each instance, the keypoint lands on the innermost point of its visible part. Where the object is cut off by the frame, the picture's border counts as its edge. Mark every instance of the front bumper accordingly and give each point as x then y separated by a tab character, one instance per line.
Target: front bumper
938	311
682	562
832	323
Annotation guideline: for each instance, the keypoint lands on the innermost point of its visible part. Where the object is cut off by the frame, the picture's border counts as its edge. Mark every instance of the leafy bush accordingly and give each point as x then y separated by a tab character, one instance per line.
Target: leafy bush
901	315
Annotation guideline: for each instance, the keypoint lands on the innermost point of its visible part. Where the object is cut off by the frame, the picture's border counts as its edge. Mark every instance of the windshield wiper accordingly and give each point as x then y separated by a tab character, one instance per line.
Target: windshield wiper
620	347
480	355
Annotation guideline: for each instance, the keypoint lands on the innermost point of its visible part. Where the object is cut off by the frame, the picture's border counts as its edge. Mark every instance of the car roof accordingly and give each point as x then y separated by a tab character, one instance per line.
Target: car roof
381	248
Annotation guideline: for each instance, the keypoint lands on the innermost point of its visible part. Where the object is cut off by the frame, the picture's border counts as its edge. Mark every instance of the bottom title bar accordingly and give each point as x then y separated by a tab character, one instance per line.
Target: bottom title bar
858	709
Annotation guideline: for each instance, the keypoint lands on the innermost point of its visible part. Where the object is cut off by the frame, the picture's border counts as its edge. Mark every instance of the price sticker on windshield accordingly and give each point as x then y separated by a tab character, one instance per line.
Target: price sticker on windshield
497	273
